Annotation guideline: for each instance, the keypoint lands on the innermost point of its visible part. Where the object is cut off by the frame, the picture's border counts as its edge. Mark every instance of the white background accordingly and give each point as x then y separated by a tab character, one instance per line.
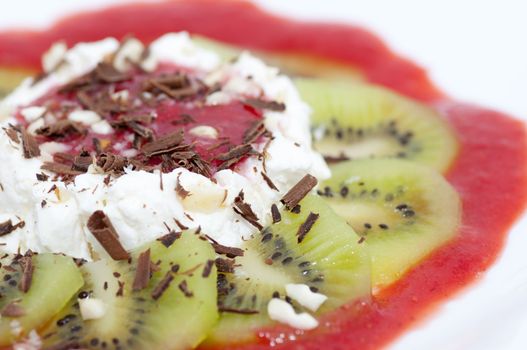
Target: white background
474	50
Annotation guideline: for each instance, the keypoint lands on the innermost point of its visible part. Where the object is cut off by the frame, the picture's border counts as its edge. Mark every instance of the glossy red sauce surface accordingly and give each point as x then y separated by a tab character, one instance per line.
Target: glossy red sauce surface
490	172
230	121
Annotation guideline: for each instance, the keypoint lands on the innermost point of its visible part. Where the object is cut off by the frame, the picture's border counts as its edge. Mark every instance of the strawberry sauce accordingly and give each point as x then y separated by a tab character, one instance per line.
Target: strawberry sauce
489	173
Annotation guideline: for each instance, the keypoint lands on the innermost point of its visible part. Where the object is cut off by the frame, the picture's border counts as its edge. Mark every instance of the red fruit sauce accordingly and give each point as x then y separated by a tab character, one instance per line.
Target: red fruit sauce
489	173
231	121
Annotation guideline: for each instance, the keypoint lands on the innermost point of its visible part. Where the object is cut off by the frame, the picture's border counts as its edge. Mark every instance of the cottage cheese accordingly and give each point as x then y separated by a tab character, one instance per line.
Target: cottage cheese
140	210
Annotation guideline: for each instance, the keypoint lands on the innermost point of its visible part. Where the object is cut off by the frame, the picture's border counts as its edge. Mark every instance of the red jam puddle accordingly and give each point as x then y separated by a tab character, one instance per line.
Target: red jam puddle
489	173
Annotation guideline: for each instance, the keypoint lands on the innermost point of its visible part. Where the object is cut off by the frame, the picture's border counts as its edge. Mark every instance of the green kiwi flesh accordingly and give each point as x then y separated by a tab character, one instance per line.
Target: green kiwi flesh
356	121
329	260
133	319
290	63
403	210
55	280
11	77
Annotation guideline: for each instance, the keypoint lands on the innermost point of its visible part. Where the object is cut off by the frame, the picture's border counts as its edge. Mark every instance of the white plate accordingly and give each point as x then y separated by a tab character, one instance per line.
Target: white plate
475	51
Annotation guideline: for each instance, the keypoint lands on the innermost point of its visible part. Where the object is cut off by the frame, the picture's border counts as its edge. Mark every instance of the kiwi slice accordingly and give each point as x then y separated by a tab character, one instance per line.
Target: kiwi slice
10	78
177	315
403	210
290	63
328	260
354	121
28	303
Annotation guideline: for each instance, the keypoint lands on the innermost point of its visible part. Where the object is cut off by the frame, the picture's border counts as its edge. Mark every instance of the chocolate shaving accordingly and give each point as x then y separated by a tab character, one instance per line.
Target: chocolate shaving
120	289
7	227
63	158
29	145
269	181
180	190
262	104
107	73
101	227
12	133
27	273
235	153
338	159
58	168
141	130
207	269
254	132
86	101
97	145
12	309
168	239
162	285
176	86
180	225
304	229
299	191
183	286
296	209
245	211
112	163
230	252
42	177
62	128
165	144
275	214
222	308
143	272
82	162
225	265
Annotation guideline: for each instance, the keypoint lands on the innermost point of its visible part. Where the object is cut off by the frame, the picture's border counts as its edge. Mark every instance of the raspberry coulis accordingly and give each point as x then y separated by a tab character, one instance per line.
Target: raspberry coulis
230	121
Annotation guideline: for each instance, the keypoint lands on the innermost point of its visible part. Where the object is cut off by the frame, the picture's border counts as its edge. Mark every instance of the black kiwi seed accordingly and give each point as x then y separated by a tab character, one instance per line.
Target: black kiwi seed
276	255
94	342
344	191
267	237
274	248
304	264
83	295
287	260
66	319
7	277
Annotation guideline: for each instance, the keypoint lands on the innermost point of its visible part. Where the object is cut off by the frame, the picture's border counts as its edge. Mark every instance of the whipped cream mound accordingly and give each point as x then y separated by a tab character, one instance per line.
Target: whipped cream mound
141	205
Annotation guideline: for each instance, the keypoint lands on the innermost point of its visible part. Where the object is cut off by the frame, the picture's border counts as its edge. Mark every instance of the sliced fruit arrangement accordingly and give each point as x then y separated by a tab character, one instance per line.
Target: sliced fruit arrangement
10	78
33	289
328	259
355	121
120	306
403	210
292	64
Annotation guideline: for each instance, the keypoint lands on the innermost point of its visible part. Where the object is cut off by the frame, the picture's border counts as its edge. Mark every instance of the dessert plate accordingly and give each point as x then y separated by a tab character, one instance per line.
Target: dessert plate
489	313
